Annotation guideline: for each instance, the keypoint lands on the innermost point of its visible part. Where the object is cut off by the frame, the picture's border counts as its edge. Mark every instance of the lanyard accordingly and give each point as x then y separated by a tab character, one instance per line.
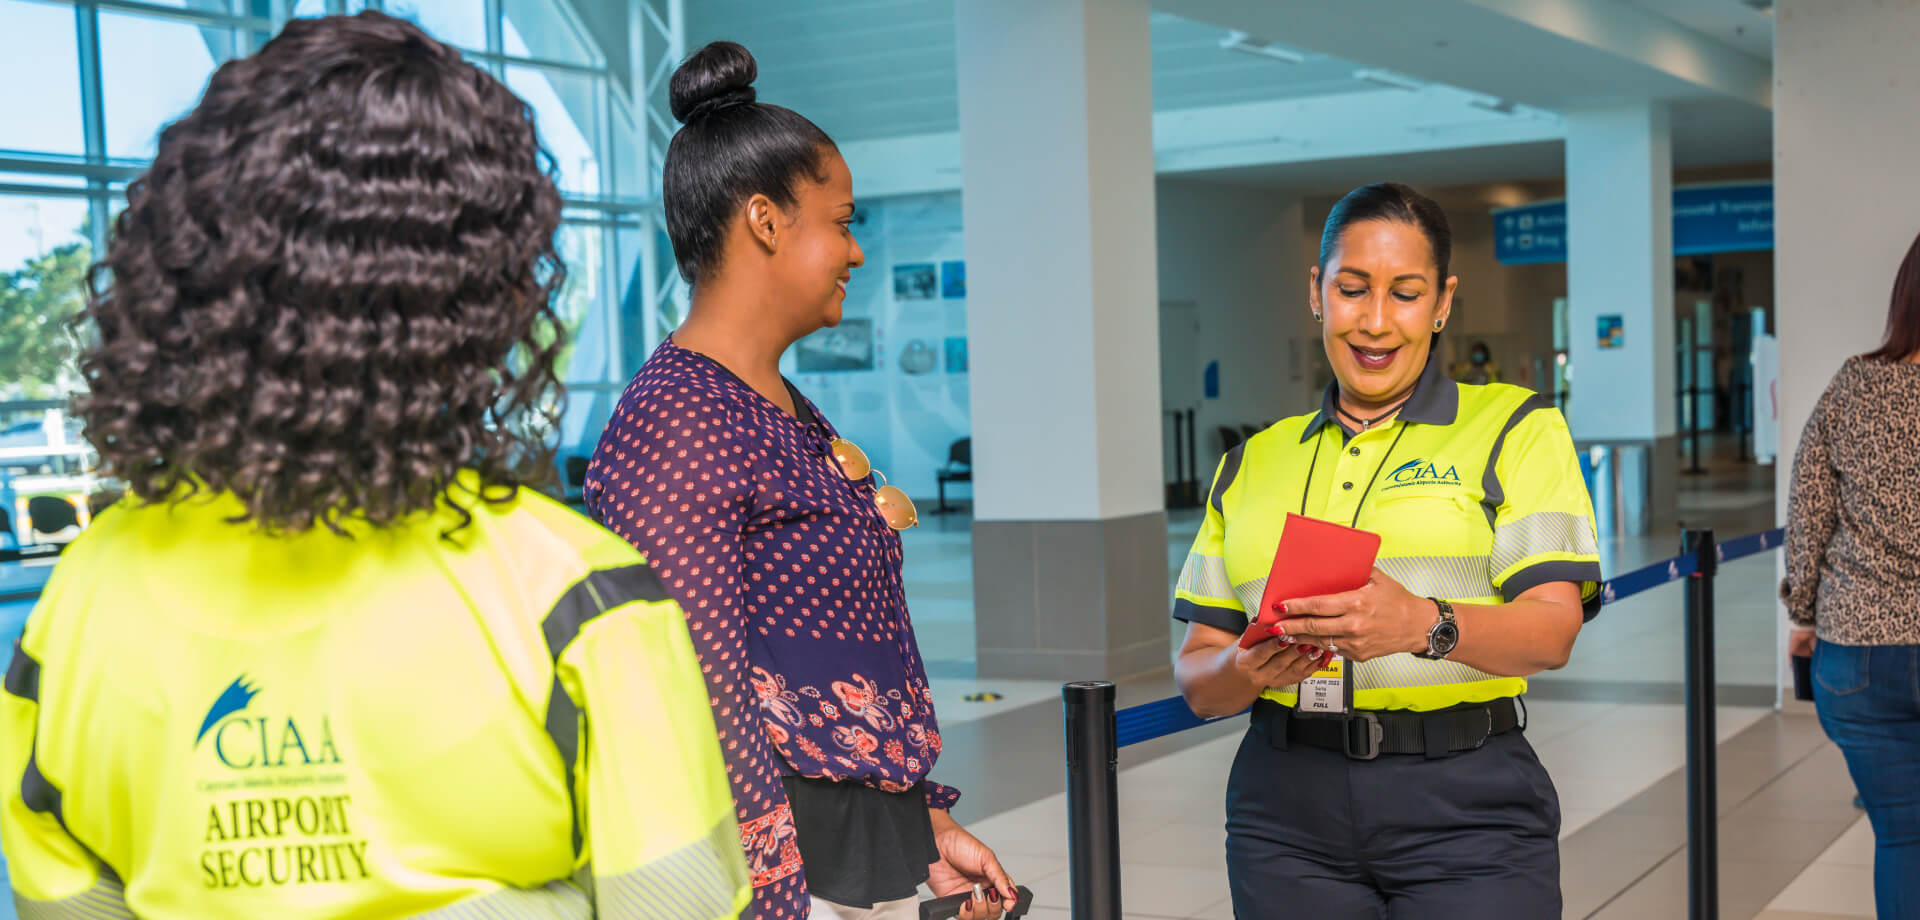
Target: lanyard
1308	488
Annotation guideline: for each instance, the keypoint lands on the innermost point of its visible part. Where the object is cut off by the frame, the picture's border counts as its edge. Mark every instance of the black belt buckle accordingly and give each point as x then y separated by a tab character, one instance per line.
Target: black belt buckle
1371	732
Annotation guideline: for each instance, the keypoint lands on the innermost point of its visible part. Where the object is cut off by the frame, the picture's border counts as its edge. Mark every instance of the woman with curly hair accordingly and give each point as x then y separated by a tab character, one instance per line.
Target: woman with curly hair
333	657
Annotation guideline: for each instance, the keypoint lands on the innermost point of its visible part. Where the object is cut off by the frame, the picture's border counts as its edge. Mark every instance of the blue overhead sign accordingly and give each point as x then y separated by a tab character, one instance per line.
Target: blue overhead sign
1531	233
1722	218
1735	217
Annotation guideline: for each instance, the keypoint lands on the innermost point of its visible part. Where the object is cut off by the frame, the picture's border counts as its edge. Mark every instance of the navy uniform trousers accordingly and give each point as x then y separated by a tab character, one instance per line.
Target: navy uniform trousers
1312	833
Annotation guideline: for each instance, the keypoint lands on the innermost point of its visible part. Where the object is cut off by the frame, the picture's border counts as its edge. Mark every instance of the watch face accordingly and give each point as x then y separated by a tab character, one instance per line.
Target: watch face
1445	636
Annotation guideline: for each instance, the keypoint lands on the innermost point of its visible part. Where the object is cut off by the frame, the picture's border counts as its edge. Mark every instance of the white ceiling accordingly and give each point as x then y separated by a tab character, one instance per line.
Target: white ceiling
868	70
1745	25
865	69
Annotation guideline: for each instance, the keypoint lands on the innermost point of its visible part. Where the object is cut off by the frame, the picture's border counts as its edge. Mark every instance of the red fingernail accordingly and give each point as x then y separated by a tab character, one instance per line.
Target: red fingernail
994	895
1283	608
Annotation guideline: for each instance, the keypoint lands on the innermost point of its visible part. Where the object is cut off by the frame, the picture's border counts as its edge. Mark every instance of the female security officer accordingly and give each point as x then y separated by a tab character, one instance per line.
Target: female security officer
1413	794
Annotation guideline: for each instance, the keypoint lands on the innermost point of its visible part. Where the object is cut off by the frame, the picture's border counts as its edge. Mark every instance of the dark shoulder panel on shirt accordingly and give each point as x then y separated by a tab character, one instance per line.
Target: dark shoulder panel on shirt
1495	495
600	591
1229	468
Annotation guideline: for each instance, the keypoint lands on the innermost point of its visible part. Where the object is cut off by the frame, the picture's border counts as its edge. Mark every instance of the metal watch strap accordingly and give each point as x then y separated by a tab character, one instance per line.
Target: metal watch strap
1445	617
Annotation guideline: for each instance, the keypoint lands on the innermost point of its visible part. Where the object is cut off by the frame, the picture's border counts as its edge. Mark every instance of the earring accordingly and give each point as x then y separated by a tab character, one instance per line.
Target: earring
1437	324
1316	316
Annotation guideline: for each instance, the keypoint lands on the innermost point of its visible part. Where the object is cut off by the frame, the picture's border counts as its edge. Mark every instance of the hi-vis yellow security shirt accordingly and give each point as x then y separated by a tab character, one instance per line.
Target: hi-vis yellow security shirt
1475	492
202	721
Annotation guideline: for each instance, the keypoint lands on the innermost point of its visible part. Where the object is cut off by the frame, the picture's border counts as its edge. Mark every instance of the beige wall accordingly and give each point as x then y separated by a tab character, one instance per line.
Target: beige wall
1236	254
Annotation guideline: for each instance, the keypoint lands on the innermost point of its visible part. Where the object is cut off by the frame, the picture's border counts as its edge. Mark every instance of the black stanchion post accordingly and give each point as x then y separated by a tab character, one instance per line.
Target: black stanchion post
1693	430
1703	810
1193	458
1093	800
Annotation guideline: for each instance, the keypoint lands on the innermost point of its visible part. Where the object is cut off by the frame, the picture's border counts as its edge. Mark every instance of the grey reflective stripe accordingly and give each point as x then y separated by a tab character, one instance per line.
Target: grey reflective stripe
1542	532
696	882
1405	670
589	597
23	674
106	900
1250	592
1454	578
1490	481
1204	576
556	900
1229	468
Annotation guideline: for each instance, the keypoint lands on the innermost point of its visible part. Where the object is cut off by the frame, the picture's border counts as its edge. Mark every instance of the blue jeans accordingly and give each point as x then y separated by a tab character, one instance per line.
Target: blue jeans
1869	703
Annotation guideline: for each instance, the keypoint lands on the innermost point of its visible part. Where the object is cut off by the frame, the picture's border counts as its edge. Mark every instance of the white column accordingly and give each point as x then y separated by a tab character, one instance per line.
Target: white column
1844	191
1056	119
1620	263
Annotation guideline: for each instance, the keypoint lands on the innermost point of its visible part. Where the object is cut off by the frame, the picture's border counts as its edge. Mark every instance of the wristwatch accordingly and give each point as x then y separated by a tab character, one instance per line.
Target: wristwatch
1444	635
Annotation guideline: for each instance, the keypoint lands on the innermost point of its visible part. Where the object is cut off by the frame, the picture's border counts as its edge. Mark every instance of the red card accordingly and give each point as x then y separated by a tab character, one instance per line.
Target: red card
1315	558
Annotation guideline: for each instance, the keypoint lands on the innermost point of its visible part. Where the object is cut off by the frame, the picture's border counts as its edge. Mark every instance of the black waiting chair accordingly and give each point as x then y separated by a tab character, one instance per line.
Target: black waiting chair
51	519
576	484
1230	438
959	468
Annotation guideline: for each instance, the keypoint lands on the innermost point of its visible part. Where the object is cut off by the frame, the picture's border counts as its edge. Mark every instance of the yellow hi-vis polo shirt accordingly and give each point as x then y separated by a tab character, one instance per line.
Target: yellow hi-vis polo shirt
203	721
1475	492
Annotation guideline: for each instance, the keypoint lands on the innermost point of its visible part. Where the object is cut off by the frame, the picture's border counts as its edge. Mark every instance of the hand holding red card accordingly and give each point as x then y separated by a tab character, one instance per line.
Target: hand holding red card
1314	558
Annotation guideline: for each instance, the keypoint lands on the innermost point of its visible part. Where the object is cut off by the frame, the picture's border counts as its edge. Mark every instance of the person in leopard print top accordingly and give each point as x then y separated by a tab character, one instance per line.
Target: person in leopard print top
1853	582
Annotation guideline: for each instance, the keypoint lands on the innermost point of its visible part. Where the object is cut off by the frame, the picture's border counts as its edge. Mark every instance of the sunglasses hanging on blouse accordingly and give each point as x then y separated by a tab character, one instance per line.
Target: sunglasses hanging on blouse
895	507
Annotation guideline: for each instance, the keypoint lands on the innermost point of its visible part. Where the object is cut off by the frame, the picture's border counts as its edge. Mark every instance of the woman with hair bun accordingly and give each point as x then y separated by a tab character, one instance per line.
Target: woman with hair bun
331	656
772	531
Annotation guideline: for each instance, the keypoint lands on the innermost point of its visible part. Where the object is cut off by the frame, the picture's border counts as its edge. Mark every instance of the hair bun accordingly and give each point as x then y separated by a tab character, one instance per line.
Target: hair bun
719	76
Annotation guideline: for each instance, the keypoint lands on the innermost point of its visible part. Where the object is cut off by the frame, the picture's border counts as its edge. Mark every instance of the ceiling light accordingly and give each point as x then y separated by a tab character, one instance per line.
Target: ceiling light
1246	44
1390	79
1491	104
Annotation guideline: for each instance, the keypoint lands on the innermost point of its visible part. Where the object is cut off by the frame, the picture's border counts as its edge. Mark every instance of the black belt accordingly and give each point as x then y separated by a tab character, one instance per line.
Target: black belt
1367	734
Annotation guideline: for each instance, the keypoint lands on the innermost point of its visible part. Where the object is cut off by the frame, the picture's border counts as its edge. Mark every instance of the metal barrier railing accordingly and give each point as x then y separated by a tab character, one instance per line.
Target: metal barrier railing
1095	732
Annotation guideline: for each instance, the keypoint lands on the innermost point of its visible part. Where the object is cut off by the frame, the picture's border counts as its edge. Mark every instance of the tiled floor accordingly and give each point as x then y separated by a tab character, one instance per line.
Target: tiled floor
1838	884
1610	728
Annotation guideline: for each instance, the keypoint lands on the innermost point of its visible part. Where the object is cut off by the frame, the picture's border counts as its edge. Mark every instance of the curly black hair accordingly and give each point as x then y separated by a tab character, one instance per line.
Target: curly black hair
332	290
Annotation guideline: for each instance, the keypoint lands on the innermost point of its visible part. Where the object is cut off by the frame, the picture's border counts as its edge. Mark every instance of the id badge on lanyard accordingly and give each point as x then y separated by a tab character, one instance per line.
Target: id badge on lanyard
1327	692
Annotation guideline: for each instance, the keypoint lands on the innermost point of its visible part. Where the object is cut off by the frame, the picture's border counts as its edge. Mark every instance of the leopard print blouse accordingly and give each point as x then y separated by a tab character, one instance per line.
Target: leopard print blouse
1853	517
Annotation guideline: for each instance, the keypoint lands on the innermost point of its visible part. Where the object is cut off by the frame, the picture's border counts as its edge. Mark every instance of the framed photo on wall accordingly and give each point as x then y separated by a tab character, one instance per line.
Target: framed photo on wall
953	280
846	347
915	281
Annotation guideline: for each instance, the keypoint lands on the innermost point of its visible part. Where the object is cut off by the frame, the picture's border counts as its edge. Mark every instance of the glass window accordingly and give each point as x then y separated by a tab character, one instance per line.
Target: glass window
546	30
306	9
40	110
153	71
566	110
457	22
16	178
44	256
583	248
630	179
630	296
